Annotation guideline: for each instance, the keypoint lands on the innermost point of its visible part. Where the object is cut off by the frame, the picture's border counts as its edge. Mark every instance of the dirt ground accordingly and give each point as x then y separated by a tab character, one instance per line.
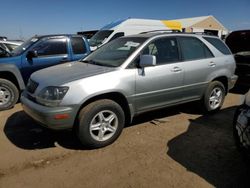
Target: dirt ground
174	147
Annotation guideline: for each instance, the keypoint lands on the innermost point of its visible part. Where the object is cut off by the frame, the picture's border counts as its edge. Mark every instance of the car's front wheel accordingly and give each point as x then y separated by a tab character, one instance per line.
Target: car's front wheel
100	123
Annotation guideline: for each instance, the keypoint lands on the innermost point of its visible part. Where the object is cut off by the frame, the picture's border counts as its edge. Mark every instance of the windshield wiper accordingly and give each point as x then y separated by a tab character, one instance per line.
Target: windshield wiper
84	61
97	63
88	61
91	62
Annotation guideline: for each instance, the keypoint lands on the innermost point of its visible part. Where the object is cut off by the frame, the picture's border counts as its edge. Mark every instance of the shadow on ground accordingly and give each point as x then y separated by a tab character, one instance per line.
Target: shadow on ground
154	116
25	133
207	149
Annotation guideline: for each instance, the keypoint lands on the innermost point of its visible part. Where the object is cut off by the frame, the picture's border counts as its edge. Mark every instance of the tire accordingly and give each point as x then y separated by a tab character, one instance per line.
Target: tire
9	94
100	123
214	96
238	132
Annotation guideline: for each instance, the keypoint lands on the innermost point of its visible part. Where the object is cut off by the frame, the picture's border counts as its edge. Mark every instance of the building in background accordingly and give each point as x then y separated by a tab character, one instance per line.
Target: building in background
204	24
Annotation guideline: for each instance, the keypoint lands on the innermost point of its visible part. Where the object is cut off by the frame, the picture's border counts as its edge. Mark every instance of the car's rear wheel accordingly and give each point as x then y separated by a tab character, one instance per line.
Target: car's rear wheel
100	123
214	96
9	94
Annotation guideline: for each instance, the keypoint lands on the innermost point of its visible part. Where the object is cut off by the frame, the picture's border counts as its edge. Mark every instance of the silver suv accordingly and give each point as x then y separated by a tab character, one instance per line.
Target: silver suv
98	95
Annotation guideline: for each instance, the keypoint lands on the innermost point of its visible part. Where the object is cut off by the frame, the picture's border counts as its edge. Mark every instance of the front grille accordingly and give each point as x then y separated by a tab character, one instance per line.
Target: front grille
31	86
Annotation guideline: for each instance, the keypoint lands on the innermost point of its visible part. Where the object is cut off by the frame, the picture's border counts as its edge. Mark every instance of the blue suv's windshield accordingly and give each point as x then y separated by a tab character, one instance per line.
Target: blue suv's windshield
113	54
20	49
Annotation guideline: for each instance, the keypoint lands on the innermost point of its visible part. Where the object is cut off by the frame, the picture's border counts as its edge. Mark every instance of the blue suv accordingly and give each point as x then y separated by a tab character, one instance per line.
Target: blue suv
36	53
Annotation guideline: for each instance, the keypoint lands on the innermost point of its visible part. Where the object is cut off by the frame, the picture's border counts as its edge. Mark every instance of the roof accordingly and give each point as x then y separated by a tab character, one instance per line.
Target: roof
188	22
11	42
144	22
56	35
167	33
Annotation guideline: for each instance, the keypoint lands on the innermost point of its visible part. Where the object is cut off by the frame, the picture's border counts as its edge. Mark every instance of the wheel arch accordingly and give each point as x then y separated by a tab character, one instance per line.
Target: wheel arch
11	77
224	81
11	72
114	96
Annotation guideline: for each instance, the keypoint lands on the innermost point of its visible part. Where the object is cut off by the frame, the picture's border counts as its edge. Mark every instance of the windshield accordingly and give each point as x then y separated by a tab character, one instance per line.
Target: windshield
113	54
99	37
20	49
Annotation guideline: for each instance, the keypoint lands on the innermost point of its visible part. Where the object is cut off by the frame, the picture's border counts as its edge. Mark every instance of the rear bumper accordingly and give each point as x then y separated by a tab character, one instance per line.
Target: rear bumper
48	116
231	81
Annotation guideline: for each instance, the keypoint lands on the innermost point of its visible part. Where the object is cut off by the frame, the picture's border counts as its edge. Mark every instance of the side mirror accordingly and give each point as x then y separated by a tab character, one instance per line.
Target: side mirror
147	61
31	54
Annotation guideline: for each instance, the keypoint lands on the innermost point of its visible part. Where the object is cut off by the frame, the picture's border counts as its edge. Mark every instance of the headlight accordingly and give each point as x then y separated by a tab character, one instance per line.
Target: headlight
52	95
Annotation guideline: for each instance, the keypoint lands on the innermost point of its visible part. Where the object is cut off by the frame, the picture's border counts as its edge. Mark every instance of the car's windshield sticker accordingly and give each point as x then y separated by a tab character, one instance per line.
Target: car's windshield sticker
132	44
34	39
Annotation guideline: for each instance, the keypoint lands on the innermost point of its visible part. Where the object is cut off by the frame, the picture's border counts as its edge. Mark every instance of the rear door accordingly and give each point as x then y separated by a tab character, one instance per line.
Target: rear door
198	63
160	85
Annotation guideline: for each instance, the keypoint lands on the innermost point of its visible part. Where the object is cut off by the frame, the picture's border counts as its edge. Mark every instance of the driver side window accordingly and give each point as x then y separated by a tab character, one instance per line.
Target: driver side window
164	49
51	47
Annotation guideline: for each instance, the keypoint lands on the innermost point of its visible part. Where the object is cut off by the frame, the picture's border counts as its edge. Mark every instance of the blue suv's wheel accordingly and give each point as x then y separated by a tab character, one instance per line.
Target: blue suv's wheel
8	94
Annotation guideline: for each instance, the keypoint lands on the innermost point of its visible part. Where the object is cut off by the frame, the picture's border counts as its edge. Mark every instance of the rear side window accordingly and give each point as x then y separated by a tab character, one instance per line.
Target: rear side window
193	49
78	45
218	44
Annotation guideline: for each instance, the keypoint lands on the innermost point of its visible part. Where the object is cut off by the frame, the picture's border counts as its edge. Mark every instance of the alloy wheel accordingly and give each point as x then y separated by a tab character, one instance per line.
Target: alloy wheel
215	98
5	95
104	125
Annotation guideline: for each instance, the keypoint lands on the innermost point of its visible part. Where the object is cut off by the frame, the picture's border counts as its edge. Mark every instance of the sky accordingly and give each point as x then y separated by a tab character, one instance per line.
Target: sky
23	19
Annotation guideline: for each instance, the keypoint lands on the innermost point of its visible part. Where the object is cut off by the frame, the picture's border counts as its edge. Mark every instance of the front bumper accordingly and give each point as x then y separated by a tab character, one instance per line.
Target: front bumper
48	116
232	81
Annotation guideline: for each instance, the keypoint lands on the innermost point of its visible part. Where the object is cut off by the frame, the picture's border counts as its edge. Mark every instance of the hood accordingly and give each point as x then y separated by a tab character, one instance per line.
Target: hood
67	72
239	41
11	59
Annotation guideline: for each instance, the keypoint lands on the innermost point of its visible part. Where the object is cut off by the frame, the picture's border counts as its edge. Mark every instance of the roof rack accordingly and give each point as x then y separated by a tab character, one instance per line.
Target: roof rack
178	31
202	33
162	31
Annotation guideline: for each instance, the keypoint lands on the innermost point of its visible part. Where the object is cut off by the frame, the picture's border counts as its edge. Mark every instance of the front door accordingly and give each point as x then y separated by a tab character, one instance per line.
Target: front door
160	85
50	52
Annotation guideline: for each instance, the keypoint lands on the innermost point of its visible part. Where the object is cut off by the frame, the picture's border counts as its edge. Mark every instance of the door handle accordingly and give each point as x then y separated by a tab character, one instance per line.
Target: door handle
176	69
212	64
